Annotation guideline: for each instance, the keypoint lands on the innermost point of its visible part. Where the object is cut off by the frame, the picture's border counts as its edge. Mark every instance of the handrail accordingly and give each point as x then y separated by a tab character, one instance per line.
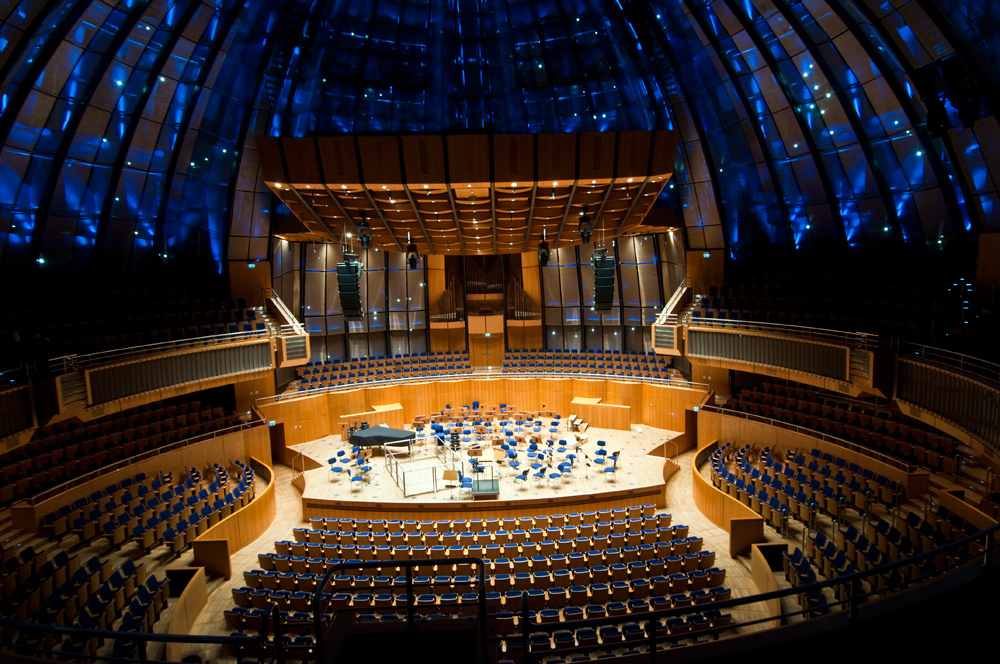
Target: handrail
949	358
672	382
271	612
293	322
855	598
667	315
136	458
15	374
857	339
852	446
69	363
408	565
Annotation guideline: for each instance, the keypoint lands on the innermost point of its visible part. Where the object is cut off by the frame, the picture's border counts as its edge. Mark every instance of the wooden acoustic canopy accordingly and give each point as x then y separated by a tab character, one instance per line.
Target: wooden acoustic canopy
469	193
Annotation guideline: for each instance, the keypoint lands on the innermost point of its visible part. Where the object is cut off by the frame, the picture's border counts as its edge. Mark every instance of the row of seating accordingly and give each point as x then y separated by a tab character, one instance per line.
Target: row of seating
844	301
59	521
47	469
58	435
616	564
865	423
653	542
646	512
542	590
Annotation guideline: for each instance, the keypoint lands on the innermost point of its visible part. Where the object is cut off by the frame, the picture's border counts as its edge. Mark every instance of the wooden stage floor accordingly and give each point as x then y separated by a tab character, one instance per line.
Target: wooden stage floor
638	474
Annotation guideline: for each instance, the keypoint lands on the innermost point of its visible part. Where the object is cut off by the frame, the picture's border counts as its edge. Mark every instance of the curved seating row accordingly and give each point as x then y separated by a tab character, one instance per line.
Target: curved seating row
645	512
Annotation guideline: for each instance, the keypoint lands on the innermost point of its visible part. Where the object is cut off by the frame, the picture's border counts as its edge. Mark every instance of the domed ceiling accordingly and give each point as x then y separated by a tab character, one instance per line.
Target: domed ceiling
127	128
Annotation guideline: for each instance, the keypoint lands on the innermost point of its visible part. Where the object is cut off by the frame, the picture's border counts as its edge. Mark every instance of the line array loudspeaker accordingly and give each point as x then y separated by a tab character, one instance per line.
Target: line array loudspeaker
604	282
349	286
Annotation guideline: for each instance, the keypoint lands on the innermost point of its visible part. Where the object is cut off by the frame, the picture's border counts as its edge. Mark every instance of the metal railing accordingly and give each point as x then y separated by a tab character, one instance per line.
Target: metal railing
671	382
479	580
856	339
667	315
403	476
69	363
853	598
971	553
850	445
136	644
136	458
292	323
948	358
16	374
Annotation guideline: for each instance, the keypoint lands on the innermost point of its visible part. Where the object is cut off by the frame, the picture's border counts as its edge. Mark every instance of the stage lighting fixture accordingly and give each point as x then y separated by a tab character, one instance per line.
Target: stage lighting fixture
412	256
543	253
586	226
364	233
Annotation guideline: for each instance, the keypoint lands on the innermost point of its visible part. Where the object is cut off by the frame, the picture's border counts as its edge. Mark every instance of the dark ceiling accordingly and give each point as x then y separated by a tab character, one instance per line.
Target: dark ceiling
127	129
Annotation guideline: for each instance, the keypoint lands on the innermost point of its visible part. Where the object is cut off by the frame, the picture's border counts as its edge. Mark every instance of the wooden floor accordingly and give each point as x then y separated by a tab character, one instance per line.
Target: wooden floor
636	469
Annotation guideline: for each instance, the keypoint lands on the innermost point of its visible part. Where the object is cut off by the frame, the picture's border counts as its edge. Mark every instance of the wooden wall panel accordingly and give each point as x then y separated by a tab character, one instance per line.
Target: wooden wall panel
213	548
486	509
301	161
513	159
706	271
596	150
249	282
660	406
186	609
249	391
625	394
465	158
556	158
764	578
380	160
424	160
745	527
339	160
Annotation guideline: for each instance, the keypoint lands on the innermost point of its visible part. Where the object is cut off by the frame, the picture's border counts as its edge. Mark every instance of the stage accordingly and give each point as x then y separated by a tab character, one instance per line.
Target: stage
638	479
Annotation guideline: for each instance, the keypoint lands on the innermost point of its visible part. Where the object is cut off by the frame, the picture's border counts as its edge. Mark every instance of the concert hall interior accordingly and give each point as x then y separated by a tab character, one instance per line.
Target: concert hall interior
519	330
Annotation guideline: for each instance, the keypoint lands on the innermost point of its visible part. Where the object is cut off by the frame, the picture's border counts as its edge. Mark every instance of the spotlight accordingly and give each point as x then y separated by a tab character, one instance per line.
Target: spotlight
364	233
586	226
543	253
412	256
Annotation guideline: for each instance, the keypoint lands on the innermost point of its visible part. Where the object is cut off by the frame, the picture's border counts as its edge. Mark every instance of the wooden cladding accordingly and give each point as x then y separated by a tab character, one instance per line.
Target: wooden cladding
469	194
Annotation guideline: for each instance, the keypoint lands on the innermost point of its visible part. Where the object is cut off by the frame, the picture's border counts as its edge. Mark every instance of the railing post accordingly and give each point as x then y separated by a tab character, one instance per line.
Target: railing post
410	620
484	652
855	597
651	625
988	553
279	643
525	649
